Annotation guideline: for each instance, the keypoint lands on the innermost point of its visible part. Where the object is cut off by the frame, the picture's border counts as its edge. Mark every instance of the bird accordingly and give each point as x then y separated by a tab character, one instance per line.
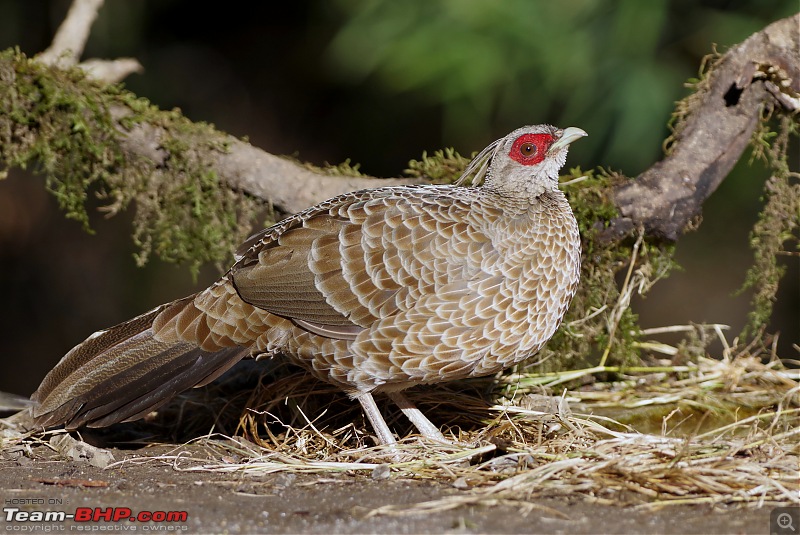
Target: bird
374	291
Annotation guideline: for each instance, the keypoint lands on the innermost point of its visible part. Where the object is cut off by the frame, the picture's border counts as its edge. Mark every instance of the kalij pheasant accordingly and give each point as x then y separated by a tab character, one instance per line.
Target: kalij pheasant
373	291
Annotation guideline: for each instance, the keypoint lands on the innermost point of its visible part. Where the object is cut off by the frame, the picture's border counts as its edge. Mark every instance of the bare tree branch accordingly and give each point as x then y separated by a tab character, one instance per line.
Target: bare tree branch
71	37
288	185
764	70
111	71
70	40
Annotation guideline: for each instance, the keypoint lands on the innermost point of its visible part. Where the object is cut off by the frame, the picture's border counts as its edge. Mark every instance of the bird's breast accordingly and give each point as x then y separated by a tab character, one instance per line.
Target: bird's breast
495	298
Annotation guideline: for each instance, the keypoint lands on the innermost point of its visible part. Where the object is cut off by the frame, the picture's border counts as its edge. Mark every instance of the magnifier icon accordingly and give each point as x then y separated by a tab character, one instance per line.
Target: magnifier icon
785	521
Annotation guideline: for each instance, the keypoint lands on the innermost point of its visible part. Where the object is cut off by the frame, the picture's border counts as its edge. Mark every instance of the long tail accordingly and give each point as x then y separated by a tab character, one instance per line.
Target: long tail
122	373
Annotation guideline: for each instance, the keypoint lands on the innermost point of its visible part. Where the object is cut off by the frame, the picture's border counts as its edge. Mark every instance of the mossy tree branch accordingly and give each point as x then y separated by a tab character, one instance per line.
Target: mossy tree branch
713	128
288	185
196	189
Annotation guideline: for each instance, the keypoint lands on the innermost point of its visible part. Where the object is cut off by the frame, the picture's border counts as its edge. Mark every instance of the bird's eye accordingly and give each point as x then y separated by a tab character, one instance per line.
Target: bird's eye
527	149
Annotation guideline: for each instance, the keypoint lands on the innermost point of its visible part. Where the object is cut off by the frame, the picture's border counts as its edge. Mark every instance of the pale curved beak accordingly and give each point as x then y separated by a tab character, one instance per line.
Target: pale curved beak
570	134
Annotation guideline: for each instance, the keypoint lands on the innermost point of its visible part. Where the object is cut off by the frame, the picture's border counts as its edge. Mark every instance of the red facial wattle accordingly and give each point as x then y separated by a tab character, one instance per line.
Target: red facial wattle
530	149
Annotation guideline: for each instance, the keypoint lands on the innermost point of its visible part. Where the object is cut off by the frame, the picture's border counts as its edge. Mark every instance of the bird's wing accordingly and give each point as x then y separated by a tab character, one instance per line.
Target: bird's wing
355	259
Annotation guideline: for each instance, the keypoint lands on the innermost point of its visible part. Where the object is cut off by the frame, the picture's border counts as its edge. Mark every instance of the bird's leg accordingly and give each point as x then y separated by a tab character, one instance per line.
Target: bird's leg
376	419
423	425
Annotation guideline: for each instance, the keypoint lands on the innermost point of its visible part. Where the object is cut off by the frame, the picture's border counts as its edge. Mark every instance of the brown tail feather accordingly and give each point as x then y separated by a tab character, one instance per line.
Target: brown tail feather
123	373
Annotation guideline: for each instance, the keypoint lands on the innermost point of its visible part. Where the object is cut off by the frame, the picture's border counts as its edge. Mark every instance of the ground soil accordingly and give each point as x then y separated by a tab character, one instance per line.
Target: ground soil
311	503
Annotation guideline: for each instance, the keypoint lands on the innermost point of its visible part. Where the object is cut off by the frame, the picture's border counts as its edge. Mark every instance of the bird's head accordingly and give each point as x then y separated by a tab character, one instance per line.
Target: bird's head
524	163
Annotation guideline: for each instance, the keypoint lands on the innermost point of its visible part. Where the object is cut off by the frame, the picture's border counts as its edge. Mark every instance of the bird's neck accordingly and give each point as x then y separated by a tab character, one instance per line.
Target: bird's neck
526	198
517	191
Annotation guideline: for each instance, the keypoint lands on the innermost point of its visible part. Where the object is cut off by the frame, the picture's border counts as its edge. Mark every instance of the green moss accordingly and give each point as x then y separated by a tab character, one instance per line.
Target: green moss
444	167
778	223
346	168
777	226
61	126
684	107
54	131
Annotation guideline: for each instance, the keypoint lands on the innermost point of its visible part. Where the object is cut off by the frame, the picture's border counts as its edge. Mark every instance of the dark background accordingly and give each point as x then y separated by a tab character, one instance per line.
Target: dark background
380	82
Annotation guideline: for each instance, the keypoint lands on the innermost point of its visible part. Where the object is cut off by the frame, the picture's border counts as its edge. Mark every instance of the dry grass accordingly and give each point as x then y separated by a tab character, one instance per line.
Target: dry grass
707	431
711	431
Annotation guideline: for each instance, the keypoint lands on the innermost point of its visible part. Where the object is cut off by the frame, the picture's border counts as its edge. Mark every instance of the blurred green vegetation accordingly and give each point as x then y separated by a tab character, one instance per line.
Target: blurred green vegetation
614	67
